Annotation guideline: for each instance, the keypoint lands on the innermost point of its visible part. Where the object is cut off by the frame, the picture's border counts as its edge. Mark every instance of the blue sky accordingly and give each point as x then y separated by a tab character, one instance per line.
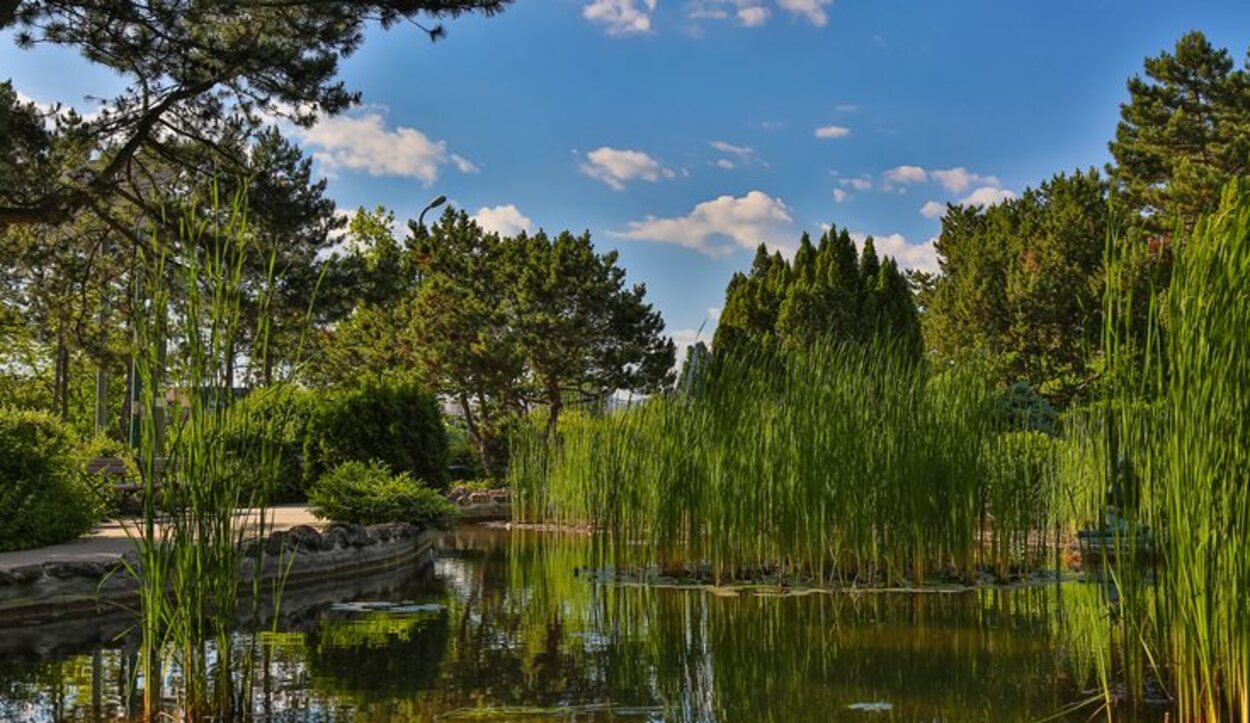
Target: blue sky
682	132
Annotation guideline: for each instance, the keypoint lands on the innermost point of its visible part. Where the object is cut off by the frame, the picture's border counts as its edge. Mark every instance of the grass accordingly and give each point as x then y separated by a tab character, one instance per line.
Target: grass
837	463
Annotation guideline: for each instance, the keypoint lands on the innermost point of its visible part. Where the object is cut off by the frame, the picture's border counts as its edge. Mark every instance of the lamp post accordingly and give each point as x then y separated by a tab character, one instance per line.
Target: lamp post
438	201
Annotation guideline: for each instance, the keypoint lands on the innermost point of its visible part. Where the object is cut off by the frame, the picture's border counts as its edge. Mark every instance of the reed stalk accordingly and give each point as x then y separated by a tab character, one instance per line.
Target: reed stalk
193	543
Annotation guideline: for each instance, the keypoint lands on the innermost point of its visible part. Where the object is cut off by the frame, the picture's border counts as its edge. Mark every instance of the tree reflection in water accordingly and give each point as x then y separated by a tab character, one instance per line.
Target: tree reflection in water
508	625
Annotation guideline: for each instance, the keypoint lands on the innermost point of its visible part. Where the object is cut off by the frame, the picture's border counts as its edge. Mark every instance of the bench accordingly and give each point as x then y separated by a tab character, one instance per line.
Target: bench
115	470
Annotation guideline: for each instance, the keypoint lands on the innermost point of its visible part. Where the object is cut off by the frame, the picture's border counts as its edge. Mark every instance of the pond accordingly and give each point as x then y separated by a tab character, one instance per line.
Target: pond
505	625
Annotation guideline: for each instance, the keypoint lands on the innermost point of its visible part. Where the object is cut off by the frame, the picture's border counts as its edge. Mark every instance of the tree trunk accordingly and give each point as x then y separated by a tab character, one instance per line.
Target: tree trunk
476	436
60	378
555	403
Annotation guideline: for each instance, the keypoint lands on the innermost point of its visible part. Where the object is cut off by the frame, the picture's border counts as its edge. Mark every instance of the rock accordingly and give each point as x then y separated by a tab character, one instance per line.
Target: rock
335	538
75	568
351	535
275	543
304	538
391	531
478	498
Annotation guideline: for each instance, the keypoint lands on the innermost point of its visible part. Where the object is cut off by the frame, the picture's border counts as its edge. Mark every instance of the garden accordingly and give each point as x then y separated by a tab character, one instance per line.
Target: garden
262	458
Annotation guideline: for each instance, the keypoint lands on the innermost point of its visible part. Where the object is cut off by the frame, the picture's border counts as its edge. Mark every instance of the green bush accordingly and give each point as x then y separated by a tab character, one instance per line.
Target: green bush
462	458
46	496
367	494
273	421
396	423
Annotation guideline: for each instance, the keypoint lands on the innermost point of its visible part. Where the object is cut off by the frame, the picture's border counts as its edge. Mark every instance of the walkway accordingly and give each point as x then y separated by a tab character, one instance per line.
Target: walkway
113	539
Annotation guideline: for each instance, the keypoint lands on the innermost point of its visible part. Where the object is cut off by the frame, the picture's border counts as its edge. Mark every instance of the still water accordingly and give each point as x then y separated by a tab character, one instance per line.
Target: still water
506	626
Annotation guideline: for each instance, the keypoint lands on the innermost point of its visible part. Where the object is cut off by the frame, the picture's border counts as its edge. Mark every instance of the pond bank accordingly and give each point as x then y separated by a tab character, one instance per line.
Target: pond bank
88	578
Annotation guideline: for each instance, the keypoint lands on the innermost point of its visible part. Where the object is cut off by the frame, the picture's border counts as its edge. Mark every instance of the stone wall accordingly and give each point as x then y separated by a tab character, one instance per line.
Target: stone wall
40	593
489	506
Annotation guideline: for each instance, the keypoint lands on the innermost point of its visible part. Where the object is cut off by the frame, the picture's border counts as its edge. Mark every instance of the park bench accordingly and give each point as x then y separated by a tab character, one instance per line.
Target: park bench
125	485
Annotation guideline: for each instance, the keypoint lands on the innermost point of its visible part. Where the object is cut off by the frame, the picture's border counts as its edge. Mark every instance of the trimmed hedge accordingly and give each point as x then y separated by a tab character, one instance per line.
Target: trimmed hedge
46	496
368	494
396	423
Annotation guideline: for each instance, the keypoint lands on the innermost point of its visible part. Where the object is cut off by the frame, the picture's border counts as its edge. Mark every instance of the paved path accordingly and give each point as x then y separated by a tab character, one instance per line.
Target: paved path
112	539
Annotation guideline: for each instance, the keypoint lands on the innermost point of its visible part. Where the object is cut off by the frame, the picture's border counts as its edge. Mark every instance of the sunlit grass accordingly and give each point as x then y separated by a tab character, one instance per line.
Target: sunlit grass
837	463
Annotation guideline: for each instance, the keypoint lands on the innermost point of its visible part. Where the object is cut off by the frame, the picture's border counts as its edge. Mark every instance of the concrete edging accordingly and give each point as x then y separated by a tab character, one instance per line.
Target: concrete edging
45	592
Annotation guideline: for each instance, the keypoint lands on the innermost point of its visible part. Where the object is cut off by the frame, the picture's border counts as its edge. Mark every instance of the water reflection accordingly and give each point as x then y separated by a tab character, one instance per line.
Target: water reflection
505	627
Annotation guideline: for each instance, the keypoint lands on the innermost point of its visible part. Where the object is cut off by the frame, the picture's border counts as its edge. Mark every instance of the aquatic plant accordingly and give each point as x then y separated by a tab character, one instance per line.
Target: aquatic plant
191	544
833	462
1177	465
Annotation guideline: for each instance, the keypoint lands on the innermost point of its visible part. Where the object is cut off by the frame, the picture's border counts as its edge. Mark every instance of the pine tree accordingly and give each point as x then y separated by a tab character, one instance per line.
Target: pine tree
1183	134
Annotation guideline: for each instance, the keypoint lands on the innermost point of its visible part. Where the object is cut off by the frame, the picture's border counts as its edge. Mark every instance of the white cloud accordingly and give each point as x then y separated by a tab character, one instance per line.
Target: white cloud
747	13
725	164
621	17
616	167
812	10
932	209
713	313
753	16
743	221
827	132
503	220
745	154
846	108
363	143
906	174
861	183
987	196
921	256
957	179
683	339
839	195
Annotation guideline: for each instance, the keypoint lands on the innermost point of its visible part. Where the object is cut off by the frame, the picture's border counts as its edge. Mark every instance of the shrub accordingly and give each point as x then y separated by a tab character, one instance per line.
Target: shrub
1022	409
462	458
396	423
273	421
367	494
45	494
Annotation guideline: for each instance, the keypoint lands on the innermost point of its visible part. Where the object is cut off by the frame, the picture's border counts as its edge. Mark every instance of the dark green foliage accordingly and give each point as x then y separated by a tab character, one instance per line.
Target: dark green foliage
368	494
396	423
462	461
278	419
1023	409
44	491
1184	133
1023	281
198	69
829	292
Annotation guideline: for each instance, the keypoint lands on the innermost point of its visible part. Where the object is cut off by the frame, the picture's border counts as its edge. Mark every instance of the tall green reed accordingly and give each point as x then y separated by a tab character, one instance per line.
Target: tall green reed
834	463
196	544
1177	440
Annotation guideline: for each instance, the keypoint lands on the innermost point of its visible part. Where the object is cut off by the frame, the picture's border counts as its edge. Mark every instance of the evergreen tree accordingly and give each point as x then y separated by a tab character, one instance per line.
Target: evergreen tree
829	292
193	69
1184	133
1023	281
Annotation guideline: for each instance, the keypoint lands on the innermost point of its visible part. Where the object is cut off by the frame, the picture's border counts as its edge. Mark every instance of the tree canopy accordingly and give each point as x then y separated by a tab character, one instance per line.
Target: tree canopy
1184	132
196	71
829	291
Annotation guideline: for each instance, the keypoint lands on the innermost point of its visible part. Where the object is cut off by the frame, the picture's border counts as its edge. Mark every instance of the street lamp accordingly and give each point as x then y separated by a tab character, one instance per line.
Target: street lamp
432	205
